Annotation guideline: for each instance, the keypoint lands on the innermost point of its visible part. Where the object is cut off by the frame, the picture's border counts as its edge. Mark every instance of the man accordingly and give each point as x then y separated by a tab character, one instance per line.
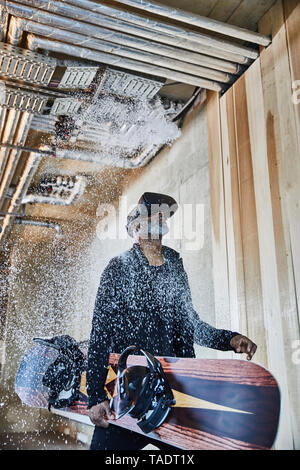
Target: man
144	299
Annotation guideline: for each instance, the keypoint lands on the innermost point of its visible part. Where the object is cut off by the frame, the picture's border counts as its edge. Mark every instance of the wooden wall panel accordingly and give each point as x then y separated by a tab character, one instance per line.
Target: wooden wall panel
249	230
260	144
289	168
232	215
283	157
267	246
291	12
219	245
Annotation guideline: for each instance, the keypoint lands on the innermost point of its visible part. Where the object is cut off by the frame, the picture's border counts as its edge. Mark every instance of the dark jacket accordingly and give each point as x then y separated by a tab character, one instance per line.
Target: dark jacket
149	306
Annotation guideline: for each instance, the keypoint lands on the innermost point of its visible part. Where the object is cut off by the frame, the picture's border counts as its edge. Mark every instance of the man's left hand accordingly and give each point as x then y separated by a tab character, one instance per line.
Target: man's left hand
242	344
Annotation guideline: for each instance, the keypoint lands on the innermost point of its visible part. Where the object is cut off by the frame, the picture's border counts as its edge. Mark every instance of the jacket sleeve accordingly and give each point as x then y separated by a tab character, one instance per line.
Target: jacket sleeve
204	334
106	312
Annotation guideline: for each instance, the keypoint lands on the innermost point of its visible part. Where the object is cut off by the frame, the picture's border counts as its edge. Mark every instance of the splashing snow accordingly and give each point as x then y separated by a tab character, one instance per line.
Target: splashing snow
126	125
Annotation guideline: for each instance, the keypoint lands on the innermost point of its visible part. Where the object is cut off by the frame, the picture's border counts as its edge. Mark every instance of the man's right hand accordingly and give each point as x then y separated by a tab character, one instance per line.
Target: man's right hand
98	414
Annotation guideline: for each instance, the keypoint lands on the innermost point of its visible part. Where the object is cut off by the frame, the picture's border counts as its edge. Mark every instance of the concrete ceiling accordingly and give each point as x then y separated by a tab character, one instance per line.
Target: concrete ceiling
243	13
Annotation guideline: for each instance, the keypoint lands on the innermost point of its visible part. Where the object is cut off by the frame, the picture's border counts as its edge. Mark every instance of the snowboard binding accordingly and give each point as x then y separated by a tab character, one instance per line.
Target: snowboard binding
143	392
50	372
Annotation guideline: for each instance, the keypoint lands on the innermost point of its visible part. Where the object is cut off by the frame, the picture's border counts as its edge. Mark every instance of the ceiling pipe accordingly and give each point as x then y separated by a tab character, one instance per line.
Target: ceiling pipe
26	10
99	158
2	117
158	26
14	155
110	48
20	191
196	20
40	223
88	156
69	154
17	214
3	22
11	121
28	149
15	31
34	43
17	25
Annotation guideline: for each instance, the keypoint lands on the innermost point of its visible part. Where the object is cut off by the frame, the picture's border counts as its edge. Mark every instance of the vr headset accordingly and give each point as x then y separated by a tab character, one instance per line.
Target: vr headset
149	205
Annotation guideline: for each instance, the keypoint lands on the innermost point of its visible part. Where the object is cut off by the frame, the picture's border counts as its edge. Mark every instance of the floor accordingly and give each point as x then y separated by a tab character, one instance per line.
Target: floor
39	441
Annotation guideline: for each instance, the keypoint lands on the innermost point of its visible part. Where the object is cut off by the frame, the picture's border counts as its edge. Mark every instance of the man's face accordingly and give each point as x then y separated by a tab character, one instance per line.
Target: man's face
152	228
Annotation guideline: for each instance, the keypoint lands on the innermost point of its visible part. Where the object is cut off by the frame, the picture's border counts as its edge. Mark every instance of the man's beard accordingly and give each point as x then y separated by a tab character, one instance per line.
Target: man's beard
151	231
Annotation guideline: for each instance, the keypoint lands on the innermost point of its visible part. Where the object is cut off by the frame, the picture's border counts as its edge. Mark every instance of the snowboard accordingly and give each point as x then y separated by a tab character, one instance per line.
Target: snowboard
221	404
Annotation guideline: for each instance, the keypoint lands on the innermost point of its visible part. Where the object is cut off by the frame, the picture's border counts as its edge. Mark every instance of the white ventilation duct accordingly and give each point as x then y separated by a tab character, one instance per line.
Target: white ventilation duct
35	43
99	158
124	52
87	9
55	21
15	31
120	21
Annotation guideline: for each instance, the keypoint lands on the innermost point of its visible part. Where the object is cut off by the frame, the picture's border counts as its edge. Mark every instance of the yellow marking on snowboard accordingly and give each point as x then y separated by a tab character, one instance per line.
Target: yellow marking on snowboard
83	384
182	399
111	375
188	401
